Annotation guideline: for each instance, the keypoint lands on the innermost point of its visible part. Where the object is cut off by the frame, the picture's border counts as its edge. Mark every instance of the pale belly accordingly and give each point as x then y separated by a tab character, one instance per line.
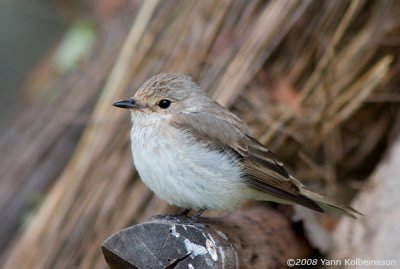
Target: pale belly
186	174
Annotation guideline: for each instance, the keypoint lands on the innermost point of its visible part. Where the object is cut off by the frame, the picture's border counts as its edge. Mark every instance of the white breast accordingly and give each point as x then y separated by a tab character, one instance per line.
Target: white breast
183	172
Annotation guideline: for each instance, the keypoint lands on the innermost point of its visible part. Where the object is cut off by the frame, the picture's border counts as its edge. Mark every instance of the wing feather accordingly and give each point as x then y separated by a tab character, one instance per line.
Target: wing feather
263	171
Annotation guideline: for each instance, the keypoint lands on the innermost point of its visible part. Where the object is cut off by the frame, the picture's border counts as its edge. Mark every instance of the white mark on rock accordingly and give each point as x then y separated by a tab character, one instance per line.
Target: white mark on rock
173	231
222	254
190	266
236	257
194	249
222	235
212	250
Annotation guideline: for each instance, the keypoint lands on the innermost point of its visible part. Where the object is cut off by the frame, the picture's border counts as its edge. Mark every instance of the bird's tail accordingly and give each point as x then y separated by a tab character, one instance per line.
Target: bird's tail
327	203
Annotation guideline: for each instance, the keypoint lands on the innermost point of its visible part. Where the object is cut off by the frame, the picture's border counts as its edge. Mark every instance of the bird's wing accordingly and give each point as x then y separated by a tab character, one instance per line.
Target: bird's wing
222	130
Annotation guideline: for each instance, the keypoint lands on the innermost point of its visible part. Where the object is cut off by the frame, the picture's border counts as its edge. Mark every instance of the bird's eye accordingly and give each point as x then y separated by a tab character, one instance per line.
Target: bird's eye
164	103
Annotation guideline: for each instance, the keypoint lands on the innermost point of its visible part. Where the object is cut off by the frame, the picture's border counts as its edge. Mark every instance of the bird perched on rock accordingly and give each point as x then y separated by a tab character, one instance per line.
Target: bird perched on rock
195	154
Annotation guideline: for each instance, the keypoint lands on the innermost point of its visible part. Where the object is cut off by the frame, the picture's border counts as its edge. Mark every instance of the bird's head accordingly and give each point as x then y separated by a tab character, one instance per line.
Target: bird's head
165	94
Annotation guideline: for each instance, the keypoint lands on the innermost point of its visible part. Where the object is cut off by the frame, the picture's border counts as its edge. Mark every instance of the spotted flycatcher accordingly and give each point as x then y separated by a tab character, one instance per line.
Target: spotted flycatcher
195	154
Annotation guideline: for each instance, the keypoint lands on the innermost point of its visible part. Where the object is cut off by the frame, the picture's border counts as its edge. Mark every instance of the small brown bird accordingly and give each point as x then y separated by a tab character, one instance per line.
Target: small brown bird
195	154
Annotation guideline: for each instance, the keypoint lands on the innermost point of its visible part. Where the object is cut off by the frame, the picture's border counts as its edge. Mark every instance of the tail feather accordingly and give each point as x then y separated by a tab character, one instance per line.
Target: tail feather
327	203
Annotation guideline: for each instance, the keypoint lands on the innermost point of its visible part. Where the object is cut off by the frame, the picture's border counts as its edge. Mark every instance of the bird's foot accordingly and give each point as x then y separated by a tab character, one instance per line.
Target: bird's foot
184	212
177	218
181	217
195	218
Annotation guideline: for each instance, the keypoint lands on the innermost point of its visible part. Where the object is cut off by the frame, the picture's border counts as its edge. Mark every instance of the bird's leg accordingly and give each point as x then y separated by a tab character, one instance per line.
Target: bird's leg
182	217
184	212
197	215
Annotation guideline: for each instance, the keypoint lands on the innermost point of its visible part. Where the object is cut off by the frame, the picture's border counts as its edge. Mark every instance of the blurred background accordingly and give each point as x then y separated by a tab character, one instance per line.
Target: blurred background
316	81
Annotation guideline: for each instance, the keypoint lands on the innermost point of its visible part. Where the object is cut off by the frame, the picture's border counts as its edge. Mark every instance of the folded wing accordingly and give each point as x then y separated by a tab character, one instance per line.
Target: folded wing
262	170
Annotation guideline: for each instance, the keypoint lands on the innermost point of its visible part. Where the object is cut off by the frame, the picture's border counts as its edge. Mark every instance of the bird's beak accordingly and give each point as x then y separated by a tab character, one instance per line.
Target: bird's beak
128	104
